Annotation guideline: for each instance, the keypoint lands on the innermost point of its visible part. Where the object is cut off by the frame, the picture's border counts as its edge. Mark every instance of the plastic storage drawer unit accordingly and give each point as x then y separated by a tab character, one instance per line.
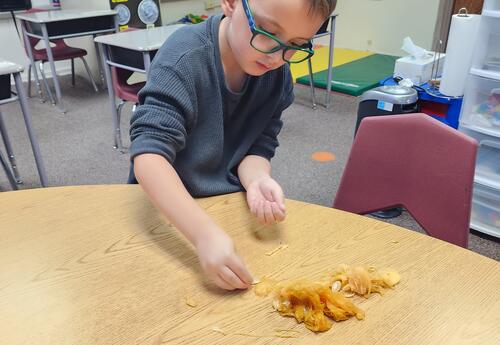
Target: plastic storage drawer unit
485	215
491	5
487	50
481	108
488	158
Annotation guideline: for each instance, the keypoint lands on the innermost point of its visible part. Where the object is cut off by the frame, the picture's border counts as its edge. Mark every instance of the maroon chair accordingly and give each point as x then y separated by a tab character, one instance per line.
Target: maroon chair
416	162
60	51
125	92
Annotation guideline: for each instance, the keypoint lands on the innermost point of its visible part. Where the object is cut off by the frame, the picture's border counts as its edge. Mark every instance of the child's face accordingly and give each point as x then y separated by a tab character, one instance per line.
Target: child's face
289	20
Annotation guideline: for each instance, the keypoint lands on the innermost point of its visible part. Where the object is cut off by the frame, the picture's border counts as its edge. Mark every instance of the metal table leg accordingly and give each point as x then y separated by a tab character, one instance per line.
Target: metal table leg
147	61
99	61
10	177
8	148
57	86
311	84
111	96
330	62
32	63
27	121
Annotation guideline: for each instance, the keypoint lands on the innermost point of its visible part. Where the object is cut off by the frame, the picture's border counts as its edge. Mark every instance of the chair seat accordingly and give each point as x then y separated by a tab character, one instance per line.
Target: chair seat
128	92
60	53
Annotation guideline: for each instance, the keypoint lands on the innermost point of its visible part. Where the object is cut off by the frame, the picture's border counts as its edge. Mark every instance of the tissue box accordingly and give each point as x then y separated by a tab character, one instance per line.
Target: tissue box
419	70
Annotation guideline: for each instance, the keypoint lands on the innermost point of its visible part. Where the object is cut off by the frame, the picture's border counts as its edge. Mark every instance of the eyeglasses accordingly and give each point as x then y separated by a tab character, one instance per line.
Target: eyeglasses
267	43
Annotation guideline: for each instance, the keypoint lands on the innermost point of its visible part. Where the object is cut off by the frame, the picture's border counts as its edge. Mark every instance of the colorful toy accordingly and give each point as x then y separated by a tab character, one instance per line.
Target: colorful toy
193	19
488	114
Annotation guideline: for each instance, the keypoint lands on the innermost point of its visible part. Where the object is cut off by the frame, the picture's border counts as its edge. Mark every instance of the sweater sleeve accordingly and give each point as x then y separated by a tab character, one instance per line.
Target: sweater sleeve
165	115
266	144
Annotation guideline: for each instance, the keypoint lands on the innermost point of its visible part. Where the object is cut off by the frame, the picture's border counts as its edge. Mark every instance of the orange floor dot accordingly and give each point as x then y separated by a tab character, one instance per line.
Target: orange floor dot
323	156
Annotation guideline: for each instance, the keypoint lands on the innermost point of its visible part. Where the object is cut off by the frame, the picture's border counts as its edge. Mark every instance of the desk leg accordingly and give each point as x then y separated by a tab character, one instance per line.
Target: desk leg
99	62
32	63
111	96
311	84
10	177
27	121
330	62
8	147
57	86
147	62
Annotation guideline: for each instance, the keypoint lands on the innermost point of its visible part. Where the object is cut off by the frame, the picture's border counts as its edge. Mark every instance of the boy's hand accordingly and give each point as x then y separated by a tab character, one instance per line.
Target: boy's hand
266	200
220	261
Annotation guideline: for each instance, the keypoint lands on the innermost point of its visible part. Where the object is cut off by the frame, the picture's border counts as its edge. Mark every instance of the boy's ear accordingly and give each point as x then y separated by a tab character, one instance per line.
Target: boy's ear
228	7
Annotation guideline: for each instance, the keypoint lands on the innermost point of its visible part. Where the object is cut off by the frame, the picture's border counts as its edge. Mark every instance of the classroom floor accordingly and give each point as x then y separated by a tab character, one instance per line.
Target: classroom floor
77	147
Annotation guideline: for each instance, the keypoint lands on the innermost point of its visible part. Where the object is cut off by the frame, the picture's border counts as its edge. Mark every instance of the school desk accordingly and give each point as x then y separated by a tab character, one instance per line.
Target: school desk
62	24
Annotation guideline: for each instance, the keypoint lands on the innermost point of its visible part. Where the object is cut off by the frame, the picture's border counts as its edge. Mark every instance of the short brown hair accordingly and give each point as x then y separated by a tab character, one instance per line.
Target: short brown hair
323	7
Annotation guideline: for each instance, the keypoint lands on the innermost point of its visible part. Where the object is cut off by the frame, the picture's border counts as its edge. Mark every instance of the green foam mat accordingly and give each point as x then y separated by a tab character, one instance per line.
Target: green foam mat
356	77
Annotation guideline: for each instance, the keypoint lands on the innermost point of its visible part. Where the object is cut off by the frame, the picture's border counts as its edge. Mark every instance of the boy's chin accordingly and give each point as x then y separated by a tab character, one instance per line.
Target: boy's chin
257	73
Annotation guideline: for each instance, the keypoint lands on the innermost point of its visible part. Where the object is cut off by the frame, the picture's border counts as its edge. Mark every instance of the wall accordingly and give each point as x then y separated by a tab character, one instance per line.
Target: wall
9	37
85	42
381	25
172	11
374	25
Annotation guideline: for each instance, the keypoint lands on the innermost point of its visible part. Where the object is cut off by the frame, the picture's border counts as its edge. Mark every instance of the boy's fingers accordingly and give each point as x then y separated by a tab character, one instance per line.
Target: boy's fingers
279	198
268	194
278	214
251	204
222	283
231	278
236	265
260	211
268	213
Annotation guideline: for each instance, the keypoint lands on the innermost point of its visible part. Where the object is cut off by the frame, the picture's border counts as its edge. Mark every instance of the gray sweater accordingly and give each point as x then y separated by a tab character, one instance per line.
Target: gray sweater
189	116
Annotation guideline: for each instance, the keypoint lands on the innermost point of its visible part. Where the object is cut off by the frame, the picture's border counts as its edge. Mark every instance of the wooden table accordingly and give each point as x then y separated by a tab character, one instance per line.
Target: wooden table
98	265
62	24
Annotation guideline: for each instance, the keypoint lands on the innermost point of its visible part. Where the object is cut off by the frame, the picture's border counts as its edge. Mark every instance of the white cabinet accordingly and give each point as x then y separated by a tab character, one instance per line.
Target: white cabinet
480	119
485	214
491	6
488	158
481	104
487	51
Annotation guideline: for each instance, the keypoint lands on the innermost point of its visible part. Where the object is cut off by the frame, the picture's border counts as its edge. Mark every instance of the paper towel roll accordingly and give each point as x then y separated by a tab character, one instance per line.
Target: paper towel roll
459	51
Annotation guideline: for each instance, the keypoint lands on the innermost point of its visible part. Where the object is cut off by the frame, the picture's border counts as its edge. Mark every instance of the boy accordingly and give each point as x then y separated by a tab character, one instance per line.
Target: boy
209	117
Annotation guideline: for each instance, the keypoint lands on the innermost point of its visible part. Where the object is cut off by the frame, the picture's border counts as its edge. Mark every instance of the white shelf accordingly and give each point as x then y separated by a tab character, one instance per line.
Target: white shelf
485	216
483	130
491	13
487	182
486	73
485	229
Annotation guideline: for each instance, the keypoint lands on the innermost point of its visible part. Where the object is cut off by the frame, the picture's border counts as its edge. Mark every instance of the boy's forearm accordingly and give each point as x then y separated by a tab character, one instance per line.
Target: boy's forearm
167	192
253	168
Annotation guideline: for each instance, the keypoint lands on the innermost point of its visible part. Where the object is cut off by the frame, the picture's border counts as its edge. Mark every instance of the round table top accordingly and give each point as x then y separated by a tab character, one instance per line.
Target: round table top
99	265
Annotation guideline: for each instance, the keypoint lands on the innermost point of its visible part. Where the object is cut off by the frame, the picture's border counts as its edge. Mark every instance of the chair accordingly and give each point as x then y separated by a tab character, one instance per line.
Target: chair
126	93
60	51
7	69
323	31
416	162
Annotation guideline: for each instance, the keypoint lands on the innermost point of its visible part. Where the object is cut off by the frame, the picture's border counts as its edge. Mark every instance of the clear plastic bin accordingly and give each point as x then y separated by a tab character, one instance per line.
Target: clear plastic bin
485	214
491	5
488	158
487	51
481	105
